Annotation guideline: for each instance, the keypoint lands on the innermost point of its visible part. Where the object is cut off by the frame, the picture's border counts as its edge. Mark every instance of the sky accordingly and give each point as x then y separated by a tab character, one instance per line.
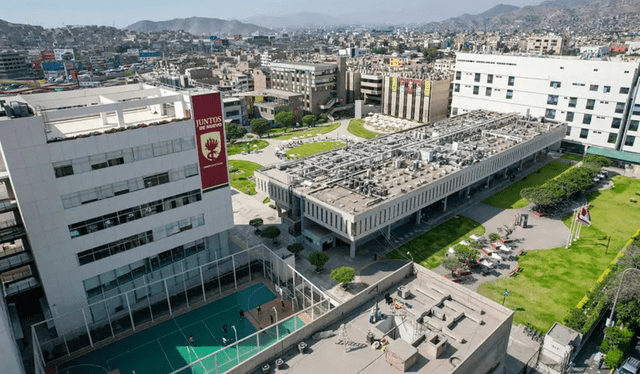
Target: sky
121	13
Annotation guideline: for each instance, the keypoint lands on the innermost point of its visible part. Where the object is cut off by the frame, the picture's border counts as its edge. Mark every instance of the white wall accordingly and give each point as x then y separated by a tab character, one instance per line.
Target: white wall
11	361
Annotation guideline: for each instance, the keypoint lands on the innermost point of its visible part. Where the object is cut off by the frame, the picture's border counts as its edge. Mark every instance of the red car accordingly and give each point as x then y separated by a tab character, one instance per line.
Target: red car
452	277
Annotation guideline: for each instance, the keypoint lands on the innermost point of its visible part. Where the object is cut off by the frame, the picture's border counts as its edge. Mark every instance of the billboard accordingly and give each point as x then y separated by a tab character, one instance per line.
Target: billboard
418	84
212	154
395	62
213	37
237	37
410	87
64	54
427	88
402	80
51	66
48	55
394	84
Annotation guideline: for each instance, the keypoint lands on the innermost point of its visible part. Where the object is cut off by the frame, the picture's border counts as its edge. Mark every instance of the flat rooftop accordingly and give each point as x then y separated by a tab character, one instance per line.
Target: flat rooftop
269	92
302	65
71	113
459	320
362	175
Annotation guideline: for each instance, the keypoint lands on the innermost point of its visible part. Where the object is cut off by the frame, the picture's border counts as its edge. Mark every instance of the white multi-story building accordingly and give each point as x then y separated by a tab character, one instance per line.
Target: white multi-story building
545	44
109	188
596	98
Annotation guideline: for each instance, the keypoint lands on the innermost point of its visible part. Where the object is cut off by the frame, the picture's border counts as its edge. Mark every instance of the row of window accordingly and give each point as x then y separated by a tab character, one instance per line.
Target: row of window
91	195
122	245
123	156
107	283
131	214
613	137
487	92
510	82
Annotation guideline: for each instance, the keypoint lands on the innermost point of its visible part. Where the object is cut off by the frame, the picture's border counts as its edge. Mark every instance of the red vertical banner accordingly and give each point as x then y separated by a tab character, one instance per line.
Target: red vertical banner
212	154
410	87
419	87
74	75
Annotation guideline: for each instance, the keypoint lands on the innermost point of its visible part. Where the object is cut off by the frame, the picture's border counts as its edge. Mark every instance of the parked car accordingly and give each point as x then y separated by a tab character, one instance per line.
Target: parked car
453	278
629	366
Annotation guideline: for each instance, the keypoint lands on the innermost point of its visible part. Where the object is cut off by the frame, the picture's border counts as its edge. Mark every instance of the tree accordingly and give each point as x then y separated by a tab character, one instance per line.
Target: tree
256	223
271	232
322	118
234	131
343	275
613	358
493	237
451	264
309	120
260	126
319	259
465	253
576	319
295	248
285	119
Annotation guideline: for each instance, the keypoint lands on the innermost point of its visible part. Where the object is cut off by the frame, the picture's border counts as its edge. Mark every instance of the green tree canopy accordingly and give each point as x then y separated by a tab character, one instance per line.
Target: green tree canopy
319	259
271	232
464	253
260	126
256	222
285	119
451	264
234	131
343	275
309	120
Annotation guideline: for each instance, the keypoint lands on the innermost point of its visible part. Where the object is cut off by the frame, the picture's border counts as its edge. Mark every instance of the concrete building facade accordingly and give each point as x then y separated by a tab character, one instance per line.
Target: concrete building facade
14	65
108	189
354	194
598	99
548	44
416	99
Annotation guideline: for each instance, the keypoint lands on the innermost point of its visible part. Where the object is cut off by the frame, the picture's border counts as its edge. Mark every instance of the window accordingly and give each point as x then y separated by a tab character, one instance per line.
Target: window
511	81
606	89
458	75
593	87
633	126
619	107
550	113
612	137
454	111
636	109
456	87
475	90
624	90
569	117
509	94
584	133
629	140
573	101
586	119
477	77
490	78
63	170
590	103
568	133
615	124
555	84
552	99
488	91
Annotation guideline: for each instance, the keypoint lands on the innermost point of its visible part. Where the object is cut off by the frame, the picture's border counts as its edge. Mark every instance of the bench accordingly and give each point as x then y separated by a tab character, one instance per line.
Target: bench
514	271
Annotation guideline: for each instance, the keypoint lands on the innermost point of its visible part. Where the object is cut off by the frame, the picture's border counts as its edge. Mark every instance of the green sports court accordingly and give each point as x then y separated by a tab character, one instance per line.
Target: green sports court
164	348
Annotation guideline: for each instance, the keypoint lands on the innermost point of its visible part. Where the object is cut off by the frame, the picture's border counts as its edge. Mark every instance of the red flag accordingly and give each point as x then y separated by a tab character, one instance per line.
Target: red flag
584	217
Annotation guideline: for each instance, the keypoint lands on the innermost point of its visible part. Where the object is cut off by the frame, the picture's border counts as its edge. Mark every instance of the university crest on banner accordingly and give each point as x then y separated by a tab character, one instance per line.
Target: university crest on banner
211	145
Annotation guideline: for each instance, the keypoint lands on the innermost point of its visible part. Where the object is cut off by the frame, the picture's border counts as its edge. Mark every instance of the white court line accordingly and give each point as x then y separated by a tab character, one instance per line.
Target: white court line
189	345
165	355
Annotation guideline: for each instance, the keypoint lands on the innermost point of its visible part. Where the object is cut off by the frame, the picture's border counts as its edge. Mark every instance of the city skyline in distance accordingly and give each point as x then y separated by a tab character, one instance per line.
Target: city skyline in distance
120	14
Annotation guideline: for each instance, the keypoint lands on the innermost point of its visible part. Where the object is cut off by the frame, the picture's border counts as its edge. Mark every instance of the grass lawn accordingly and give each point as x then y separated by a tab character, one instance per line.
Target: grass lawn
509	198
356	127
429	248
241	179
312	149
317	130
554	280
570	157
237	148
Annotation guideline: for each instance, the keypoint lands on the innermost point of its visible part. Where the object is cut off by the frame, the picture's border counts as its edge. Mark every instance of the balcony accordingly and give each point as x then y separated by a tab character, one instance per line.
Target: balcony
23	285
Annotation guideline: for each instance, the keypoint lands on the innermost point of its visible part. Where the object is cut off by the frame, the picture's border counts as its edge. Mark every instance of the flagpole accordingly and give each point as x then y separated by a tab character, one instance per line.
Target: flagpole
581	224
571	226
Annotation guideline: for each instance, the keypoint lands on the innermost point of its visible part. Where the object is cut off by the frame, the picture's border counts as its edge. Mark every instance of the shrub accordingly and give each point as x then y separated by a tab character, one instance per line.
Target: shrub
343	275
295	248
576	319
493	237
272	206
319	259
256	222
271	232
597	161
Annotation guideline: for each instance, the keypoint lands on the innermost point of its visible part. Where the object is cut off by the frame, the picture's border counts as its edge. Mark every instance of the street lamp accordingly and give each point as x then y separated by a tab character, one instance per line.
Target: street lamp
277	330
615	301
409	254
237	346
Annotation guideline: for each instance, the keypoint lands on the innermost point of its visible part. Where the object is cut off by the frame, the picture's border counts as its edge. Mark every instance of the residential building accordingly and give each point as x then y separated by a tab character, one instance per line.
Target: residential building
108	194
14	65
235	111
352	195
268	103
548	44
597	99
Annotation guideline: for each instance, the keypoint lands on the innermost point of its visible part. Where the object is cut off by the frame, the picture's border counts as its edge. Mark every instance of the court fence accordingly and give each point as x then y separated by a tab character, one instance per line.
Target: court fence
105	321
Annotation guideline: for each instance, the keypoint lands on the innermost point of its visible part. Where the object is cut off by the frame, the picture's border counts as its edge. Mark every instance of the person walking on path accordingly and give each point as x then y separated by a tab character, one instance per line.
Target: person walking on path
271	316
283	307
259	310
191	340
241	312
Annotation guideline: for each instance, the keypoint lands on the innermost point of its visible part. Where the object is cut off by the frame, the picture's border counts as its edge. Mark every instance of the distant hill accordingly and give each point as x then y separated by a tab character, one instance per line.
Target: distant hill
495	11
198	26
294	20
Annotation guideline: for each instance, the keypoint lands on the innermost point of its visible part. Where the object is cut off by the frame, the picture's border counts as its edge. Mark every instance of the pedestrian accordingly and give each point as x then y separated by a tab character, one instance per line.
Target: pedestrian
191	340
241	312
259	309
375	256
271	316
283	307
224	329
288	331
224	341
